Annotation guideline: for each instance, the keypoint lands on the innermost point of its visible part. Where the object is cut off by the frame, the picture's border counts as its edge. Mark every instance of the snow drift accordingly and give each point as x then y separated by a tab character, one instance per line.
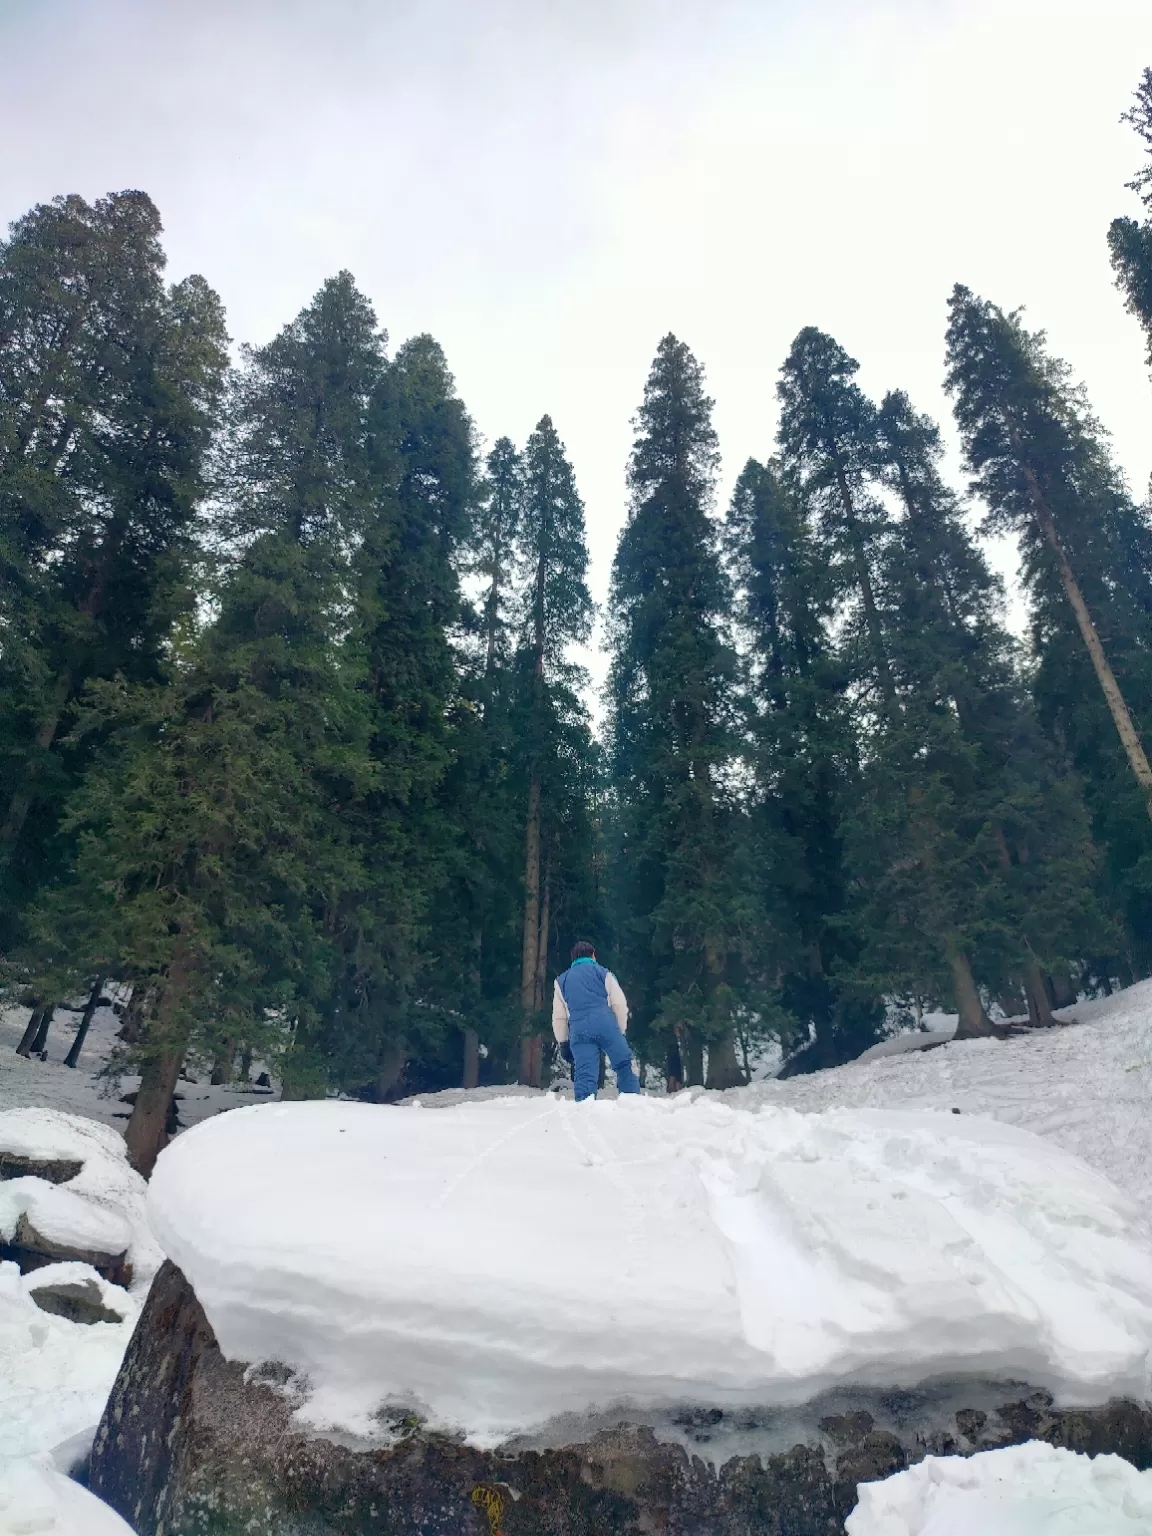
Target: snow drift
498	1263
35	1498
1023	1490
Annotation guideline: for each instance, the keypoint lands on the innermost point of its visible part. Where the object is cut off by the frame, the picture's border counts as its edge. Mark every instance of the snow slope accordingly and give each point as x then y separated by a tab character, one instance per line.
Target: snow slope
87	1089
1023	1490
501	1262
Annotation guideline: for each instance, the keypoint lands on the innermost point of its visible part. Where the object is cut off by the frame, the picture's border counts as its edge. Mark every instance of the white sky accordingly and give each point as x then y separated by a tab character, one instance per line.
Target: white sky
548	186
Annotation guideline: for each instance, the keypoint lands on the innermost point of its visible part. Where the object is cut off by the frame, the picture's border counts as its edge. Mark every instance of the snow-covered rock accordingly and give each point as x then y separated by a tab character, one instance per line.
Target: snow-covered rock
1023	1490
36	1500
500	1263
55	1369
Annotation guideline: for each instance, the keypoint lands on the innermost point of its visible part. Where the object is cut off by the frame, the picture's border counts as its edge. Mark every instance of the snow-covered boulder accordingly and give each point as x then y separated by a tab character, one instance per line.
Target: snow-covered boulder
1022	1490
76	1261
496	1264
704	1317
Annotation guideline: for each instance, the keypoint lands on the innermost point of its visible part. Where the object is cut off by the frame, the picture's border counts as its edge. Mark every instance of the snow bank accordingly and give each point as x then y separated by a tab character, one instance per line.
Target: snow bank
35	1498
55	1374
498	1263
1024	1490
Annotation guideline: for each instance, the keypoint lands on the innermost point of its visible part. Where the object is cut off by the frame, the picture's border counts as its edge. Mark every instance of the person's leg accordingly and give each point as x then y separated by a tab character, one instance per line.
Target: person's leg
611	1040
585	1066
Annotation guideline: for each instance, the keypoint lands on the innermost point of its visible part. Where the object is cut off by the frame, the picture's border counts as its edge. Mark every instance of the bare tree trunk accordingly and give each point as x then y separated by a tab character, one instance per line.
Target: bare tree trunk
147	1130
723	1066
974	1022
1137	757
674	1068
40	1041
529	1052
1039	1003
31	1031
692	1051
392	1063
146	1133
471	1059
542	948
86	1017
224	1065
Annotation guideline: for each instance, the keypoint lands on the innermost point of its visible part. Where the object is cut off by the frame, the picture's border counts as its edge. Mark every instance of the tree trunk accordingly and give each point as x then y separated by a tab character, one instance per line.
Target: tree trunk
392	1064
30	1033
539	993
723	1066
529	1041
1039	1008
974	1022
1063	992
146	1133
692	1050
674	1069
40	1040
471	1059
224	1065
147	1130
86	1017
1137	758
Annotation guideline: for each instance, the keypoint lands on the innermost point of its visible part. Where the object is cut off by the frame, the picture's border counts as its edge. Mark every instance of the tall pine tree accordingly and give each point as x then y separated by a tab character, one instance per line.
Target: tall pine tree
1130	240
684	904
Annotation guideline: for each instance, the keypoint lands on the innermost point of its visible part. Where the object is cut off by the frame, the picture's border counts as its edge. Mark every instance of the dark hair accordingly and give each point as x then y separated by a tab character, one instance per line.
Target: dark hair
583	950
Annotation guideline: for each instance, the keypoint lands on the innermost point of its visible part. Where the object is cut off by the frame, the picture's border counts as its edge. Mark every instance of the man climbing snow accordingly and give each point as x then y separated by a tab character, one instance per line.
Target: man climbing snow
590	1015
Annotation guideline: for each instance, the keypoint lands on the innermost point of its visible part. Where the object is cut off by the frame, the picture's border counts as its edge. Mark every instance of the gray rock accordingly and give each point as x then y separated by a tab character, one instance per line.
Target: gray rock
31	1250
57	1170
192	1445
80	1301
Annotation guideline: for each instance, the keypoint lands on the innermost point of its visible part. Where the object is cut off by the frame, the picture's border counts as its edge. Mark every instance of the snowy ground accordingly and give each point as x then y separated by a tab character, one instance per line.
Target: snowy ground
1023	1490
1084	1088
85	1090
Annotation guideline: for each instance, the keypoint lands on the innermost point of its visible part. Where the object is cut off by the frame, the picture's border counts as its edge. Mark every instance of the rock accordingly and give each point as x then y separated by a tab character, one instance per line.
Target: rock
80	1301
192	1444
57	1170
31	1250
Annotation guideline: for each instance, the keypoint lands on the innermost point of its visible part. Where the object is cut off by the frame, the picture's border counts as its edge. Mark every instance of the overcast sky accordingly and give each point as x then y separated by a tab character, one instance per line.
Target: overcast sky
549	186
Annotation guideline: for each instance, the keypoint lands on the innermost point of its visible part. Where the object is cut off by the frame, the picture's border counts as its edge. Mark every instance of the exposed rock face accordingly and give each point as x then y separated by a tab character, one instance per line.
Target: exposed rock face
31	1250
57	1170
191	1445
80	1301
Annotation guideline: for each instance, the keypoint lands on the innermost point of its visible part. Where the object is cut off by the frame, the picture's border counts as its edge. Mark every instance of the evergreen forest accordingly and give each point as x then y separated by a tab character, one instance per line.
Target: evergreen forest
296	752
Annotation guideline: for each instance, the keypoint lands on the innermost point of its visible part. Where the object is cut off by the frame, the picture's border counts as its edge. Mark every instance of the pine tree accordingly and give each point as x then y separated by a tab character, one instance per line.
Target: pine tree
557	613
216	831
806	773
683	894
1129	241
109	388
1044	470
1008	840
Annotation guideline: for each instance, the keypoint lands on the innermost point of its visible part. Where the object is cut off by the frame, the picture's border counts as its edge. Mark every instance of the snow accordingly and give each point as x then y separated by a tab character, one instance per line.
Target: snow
55	1374
498	1263
35	1498
91	1089
1023	1490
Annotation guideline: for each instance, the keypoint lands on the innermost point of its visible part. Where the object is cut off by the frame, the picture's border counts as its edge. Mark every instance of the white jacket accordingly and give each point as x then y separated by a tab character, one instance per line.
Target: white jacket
616	1001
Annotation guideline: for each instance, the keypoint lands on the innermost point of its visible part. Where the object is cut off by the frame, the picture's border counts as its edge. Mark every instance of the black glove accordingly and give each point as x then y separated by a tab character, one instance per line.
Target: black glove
566	1053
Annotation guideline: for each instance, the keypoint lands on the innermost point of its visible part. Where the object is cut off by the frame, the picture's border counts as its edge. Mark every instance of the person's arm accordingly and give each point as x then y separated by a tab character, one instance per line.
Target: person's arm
617	1002
559	1013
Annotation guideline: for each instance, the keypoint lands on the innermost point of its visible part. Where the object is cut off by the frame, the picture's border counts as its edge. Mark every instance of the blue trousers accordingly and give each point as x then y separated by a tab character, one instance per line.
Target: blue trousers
587	1041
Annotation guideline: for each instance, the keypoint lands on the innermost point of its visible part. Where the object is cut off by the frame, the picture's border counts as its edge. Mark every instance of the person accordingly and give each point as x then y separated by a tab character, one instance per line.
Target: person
590	1015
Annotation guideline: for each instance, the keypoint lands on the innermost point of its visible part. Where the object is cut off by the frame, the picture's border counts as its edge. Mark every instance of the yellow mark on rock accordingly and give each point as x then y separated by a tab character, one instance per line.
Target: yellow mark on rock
491	1500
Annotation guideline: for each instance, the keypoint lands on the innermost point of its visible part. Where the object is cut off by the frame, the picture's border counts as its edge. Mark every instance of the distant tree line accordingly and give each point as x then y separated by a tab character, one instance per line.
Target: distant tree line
293	743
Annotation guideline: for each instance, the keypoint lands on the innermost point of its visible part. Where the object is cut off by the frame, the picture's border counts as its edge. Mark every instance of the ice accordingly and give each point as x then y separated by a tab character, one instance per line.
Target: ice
1024	1490
35	1499
495	1264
